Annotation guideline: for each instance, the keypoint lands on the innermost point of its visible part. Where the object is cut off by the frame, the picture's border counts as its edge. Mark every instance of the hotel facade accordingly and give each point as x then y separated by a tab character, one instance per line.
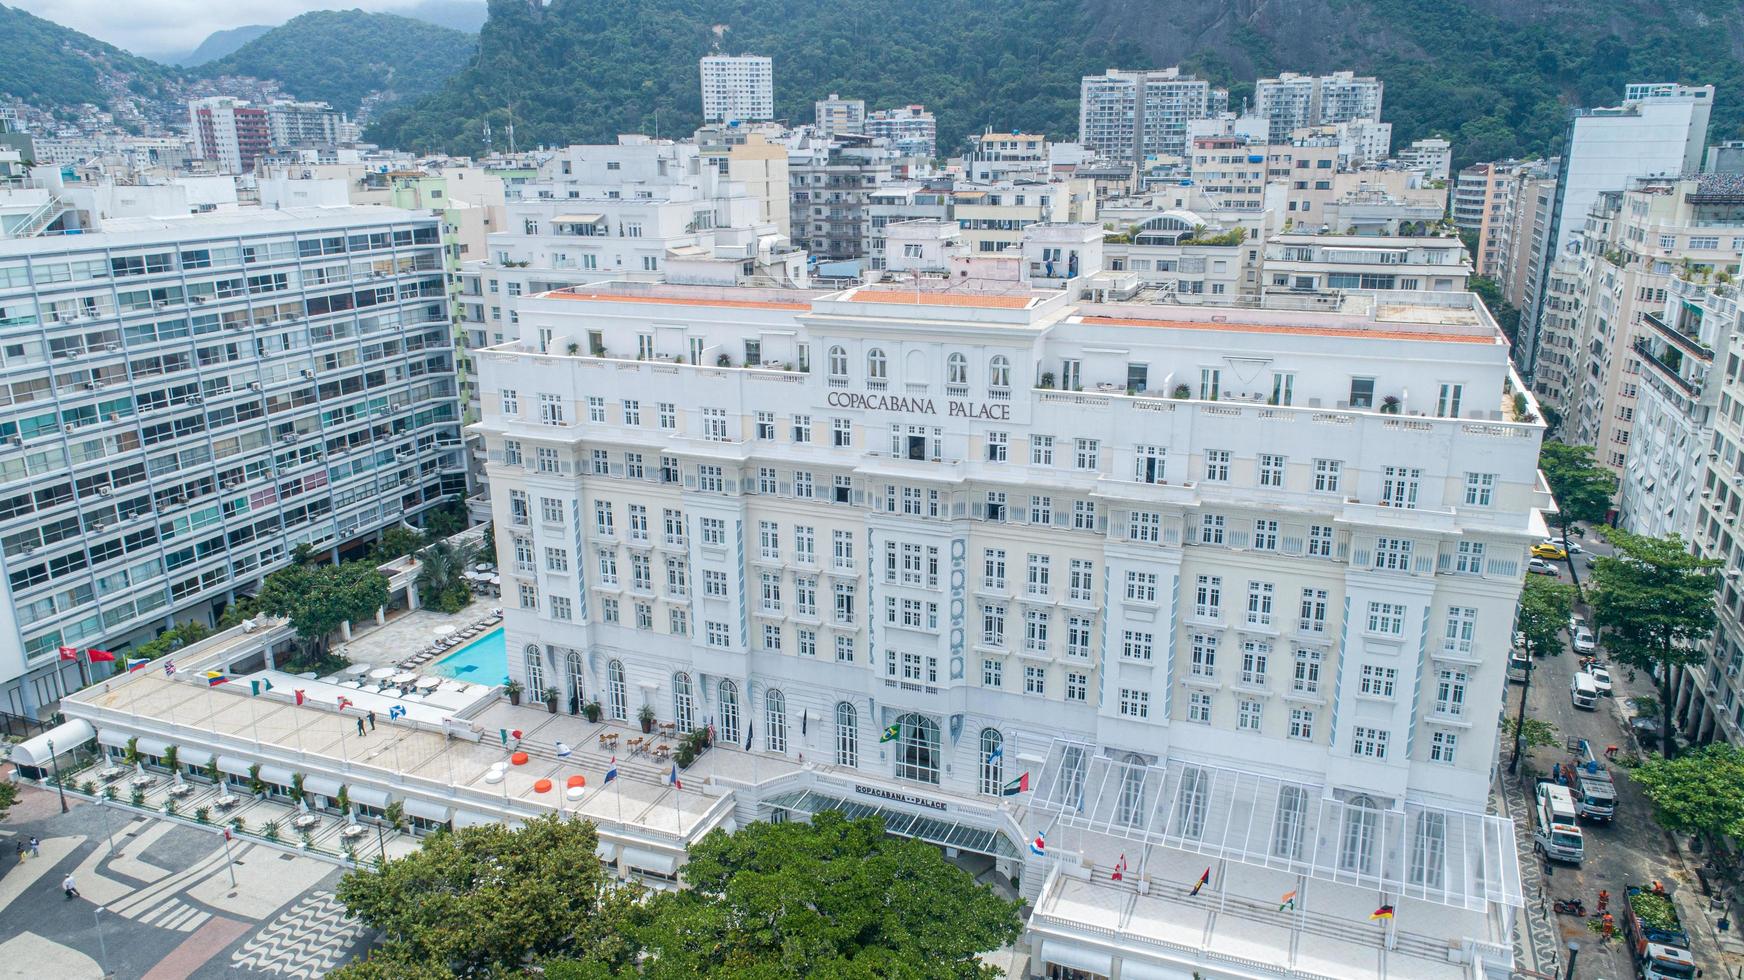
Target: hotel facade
1233	589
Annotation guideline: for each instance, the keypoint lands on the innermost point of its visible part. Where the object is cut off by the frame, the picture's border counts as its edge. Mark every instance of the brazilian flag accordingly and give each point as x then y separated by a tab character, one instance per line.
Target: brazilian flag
892	733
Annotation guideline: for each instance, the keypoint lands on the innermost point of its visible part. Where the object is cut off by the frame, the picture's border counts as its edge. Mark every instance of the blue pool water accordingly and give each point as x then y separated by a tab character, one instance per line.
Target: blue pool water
483	661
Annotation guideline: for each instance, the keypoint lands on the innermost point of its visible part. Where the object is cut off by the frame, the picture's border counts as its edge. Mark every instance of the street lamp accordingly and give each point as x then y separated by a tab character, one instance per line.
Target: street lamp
380	841
56	763
1573	951
102	947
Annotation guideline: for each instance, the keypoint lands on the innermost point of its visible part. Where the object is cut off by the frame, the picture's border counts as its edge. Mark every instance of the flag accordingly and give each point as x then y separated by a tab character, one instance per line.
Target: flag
504	734
396	711
215	678
673	779
169	668
257	688
1039	846
344	702
299	694
226	833
100	656
1287	901
1119	869
133	665
68	653
1016	786
891	734
515	734
749	727
803	715
562	749
997	753
1204	879
611	770
1384	912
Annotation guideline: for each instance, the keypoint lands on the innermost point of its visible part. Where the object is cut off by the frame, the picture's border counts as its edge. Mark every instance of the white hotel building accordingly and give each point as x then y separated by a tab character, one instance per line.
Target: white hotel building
1251	618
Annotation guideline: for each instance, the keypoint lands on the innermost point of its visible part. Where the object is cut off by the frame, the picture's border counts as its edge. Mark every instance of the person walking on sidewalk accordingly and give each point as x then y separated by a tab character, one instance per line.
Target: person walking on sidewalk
69	886
360	728
371	717
35	847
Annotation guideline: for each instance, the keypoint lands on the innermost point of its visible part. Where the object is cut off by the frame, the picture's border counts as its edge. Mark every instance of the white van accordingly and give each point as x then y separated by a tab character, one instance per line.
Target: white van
1556	832
1583	693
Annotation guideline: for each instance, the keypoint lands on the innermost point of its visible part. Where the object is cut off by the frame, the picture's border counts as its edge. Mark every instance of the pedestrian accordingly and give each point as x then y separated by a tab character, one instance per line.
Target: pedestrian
69	886
35	847
20	847
1611	752
360	728
371	717
1604	899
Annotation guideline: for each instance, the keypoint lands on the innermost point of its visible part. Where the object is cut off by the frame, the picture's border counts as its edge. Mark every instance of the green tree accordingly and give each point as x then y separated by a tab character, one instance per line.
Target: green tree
442	576
832	898
1700	792
485	900
1654	601
174	638
317	598
397	542
1583	489
8	797
1545	605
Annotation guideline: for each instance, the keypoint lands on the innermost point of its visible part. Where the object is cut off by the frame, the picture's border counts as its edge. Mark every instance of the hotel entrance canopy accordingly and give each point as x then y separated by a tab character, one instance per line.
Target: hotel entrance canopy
933	830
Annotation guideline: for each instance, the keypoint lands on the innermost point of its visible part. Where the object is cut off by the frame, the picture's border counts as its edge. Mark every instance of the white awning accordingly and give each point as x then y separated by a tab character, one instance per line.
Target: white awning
113	737
369	797
1131	969
635	857
578	219
66	737
428	810
466	818
273	774
151	746
321	786
232	765
1076	957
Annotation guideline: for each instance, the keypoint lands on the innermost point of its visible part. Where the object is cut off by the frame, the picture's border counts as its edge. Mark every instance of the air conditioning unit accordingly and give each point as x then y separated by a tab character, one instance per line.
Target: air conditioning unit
308	374
254	386
105	491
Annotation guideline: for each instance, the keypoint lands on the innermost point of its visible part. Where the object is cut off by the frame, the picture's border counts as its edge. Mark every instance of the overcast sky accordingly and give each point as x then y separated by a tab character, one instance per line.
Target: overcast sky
164	26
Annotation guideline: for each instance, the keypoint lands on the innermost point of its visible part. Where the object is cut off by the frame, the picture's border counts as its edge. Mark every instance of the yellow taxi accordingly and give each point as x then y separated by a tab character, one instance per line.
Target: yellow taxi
1546	549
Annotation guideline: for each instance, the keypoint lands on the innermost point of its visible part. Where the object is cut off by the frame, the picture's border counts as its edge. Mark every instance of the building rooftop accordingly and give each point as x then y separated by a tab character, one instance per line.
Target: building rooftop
249	221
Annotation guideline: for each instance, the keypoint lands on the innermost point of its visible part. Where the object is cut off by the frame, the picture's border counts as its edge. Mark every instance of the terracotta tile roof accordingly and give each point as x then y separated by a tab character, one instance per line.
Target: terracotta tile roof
748	304
1362	333
909	297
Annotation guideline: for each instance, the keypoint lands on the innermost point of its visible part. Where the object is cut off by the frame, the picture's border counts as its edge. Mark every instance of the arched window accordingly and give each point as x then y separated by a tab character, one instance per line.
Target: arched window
775	721
1356	849
957	370
730	711
683	704
618	701
535	672
577	681
999	372
838	362
1132	792
992	761
917	749
847	735
877	368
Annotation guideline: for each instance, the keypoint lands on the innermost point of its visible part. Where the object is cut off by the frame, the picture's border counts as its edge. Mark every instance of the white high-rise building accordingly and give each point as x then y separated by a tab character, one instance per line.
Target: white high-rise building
1129	116
911	131
737	87
1291	101
193	398
1258	609
292	123
1433	156
228	132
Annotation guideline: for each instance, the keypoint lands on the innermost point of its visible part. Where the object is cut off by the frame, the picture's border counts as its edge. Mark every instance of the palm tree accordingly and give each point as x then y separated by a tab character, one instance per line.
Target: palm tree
443	572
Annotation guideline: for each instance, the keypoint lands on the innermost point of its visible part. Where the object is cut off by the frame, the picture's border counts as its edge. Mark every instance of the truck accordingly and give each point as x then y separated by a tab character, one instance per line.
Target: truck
1656	936
1589	782
1556	832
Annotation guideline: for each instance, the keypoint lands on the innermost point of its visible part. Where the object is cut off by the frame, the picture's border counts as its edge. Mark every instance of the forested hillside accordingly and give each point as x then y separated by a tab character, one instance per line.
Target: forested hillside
46	64
1496	76
342	56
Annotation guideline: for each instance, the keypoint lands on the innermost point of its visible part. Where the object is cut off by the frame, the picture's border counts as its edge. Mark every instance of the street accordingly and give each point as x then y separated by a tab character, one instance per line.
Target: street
1632	850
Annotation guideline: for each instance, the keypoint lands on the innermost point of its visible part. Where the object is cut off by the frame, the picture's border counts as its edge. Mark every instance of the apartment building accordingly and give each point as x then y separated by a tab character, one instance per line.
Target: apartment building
194	397
897	202
838	115
1189	258
291	123
910	130
737	87
229	133
1633	244
755	157
1230	171
831	182
1433	156
1483	204
992	216
1291	101
1131	116
1321	268
1005	156
1245	596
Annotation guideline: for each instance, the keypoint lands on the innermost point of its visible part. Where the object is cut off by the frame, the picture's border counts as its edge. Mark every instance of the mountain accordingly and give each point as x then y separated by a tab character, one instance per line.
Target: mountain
220	43
343	56
1495	76
57	67
461	15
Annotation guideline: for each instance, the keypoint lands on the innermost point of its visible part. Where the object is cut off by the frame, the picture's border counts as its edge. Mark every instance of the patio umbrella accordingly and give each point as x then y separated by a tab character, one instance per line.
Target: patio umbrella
444	630
381	673
429	683
404	677
357	670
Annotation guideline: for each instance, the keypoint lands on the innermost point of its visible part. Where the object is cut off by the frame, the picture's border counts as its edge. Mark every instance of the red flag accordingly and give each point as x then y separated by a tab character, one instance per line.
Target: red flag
226	833
99	656
1119	869
344	702
68	653
299	695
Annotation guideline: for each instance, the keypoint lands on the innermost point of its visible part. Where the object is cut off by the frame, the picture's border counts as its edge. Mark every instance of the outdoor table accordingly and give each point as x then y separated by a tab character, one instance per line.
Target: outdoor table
304	821
141	782
635	744
382	673
225	802
354	831
662	751
181	789
113	773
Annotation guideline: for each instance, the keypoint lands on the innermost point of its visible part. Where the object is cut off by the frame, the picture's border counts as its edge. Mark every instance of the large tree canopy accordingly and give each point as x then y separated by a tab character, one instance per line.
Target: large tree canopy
318	597
1699	792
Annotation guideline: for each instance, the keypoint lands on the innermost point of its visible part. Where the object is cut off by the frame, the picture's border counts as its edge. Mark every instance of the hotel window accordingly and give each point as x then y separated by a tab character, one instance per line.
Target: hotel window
1134	703
1039	575
1136	645
551	511
1035	636
709	479
1203	655
766	425
877	365
641	575
1199	707
996	505
678	623
1145	526
561	609
1248	715
1442	746
1470	559
714	584
548	460
1259	603
1077	637
992	673
1462	627
609	610
511	402
1320	541
1362	392
993	625
730	711
633	466
1479	489
1306	679
1077	686
617	701
1378	682
1255	659
999	372
1328	475
998	447
1081	584
608	567
993	569
714	531
843	543
1208	597
602	517
1041	510
1292	812
918	752
1041	450
601	462
841	433
1302	723
683	702
766	479
838	364
802	428
1370	743
802	484
1399	486
847	735
714	421
556	560
806	642
1210	383
1211	529
1217	465
992	762
1313	612
844	603
1141	586
957	369
512	452
1265	535
1447	402
1387	618
1086	453
769	540
529	596
804	545
1035	679
772	637
1393	554
1450	688
1271	470
775	721
1150	464
717	634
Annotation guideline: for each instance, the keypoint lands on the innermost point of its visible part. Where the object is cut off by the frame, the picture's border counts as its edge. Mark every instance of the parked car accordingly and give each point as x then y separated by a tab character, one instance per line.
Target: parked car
1584	641
1601	676
1572	547
1540	566
1550	550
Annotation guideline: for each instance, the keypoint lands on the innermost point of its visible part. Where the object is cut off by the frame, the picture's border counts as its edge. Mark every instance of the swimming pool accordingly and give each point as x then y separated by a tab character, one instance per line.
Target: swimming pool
483	661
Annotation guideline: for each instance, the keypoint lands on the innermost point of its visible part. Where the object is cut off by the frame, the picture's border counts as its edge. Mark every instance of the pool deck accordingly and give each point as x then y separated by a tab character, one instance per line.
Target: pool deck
408	633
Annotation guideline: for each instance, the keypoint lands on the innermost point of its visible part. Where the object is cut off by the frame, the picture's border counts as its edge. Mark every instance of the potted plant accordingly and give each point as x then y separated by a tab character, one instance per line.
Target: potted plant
646	717
592	710
343	800
130	754
169	807
88	788
203	815
256	785
108	792
395	813
1183	392
271	830
1047	379
212	772
550	697
296	787
138	797
574	349
513	689
1390	405
170	757
723	361
238	824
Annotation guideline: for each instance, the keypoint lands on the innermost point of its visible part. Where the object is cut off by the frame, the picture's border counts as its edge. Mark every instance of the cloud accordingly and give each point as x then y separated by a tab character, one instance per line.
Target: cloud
154	27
